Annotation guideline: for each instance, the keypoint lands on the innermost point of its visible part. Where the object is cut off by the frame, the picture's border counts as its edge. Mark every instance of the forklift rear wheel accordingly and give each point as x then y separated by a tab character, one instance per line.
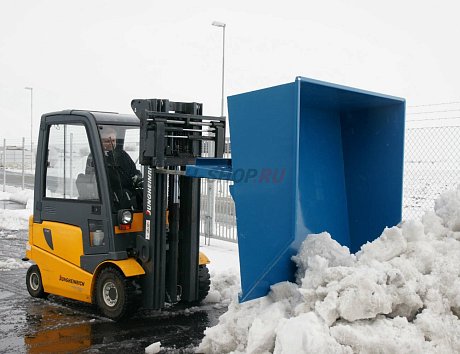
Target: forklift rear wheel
34	282
112	293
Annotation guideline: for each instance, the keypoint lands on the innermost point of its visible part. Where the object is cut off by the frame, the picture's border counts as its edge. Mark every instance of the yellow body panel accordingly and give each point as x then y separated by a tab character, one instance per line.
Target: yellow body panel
31	228
67	240
65	279
60	266
61	277
129	267
203	259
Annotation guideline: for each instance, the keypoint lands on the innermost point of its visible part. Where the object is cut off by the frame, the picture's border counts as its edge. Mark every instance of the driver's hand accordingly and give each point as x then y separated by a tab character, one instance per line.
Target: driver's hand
138	182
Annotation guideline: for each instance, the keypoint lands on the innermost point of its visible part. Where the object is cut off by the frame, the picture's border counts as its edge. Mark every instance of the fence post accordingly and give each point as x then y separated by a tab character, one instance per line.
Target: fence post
207	216
23	161
210	218
211	208
4	164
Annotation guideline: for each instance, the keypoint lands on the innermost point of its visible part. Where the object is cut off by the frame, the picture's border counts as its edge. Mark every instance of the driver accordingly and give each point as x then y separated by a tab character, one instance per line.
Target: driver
124	178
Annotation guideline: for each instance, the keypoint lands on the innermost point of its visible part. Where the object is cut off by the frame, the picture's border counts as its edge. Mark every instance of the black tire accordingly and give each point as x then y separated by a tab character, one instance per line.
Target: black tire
34	282
204	282
113	292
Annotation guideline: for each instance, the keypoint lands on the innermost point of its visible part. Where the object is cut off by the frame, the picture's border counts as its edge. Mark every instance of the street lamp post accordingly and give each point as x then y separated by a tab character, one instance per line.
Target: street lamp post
210	227
31	127
222	25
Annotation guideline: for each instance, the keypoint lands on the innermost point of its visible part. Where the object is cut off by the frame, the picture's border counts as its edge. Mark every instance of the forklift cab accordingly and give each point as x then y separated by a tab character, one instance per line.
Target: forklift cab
79	182
120	145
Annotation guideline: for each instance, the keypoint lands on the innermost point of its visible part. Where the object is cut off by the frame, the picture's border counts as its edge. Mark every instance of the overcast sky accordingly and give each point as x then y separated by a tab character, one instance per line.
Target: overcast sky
91	54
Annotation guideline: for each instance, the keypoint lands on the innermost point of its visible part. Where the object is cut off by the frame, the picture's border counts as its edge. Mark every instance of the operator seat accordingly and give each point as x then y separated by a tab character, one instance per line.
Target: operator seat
86	182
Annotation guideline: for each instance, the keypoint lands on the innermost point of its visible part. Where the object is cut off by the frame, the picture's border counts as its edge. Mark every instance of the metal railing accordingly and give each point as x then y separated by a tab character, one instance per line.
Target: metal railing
221	225
16	162
218	217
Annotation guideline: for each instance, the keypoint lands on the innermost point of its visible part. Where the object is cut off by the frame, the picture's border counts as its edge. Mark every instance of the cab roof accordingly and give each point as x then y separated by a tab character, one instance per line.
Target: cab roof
100	117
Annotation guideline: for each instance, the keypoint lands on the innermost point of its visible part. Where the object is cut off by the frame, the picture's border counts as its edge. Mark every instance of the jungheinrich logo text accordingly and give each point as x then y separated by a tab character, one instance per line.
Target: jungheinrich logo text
71	281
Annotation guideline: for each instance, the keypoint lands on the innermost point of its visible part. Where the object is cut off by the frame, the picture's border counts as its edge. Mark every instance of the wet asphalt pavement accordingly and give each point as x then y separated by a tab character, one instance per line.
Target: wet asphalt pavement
58	325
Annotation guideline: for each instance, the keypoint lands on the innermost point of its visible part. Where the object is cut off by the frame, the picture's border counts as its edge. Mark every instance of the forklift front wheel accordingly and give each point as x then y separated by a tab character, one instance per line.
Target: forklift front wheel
112	293
34	282
203	282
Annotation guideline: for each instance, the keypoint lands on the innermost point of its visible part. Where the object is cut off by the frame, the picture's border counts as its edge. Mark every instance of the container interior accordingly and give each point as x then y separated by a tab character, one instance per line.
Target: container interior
334	160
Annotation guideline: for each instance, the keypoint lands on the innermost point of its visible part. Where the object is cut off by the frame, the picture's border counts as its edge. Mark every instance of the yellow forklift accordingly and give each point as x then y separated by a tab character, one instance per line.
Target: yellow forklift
104	233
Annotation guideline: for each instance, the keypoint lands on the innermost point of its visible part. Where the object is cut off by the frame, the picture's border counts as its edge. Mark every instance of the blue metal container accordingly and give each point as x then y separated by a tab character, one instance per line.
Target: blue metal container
311	156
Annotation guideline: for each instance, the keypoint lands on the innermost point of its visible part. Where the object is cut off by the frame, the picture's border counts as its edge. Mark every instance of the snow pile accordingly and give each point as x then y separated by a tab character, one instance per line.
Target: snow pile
25	196
11	263
153	348
224	271
16	219
398	294
224	286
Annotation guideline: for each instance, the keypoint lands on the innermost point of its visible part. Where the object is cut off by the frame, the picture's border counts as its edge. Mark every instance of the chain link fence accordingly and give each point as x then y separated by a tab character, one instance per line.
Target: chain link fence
431	156
432	165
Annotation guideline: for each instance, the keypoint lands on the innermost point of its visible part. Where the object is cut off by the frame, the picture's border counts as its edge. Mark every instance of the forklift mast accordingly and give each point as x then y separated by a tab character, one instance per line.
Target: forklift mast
171	136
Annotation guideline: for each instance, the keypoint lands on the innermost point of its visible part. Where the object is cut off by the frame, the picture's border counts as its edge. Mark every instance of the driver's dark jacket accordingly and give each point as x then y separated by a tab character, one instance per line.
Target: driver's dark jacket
121	170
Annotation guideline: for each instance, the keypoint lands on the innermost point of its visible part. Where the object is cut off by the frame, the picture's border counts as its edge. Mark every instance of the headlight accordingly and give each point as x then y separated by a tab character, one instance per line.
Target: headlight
125	217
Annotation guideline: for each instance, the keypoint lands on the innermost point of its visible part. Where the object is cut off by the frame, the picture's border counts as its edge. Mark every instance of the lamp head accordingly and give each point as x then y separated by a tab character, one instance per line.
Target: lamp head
218	24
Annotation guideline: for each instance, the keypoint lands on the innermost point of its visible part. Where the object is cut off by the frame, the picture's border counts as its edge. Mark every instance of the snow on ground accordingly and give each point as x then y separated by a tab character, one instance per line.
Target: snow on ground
224	270
16	219
153	348
11	263
398	294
